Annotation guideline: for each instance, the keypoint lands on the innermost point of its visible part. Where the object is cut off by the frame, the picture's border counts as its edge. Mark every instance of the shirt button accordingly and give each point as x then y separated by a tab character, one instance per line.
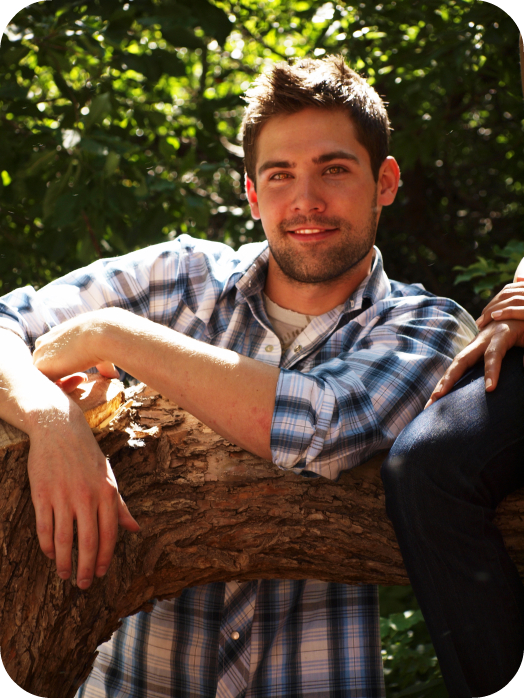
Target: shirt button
297	348
269	347
235	635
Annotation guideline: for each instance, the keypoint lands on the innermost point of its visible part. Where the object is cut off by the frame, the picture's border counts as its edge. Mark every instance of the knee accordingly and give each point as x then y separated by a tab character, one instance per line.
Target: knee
410	461
421	467
414	485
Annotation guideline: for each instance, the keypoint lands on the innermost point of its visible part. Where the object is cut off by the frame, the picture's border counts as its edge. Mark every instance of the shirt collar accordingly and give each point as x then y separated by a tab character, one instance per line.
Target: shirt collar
374	288
250	277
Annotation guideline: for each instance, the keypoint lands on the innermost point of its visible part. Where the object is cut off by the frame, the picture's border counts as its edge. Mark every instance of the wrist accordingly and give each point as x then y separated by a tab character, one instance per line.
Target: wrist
108	337
45	408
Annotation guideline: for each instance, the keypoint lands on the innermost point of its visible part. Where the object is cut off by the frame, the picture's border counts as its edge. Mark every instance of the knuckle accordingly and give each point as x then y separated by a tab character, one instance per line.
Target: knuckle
86	496
89	542
43	529
110	493
48	549
64	537
492	353
109	535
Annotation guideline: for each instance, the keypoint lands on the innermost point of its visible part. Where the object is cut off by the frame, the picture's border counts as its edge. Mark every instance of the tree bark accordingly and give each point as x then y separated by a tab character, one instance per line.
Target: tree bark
208	511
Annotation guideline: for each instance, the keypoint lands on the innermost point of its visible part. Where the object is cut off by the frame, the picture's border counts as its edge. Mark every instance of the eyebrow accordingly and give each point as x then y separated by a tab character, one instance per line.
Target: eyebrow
326	157
270	164
336	155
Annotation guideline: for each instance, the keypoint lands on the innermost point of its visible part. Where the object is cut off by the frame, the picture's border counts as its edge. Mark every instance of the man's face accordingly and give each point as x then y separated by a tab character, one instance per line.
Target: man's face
315	195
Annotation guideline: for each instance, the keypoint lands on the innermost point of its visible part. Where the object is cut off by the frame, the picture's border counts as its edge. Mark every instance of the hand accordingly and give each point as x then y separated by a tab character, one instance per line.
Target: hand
492	342
72	480
70	383
512	295
75	346
506	305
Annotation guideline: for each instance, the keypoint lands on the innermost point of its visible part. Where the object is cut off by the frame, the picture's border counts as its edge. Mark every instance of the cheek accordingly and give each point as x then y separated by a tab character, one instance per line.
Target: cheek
272	205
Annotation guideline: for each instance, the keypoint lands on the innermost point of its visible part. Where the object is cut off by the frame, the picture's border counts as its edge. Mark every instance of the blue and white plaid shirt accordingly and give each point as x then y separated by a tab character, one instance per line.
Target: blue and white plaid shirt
348	385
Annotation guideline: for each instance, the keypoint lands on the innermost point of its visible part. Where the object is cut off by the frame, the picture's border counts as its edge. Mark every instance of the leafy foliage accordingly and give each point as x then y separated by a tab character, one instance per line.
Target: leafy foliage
410	665
493	273
119	123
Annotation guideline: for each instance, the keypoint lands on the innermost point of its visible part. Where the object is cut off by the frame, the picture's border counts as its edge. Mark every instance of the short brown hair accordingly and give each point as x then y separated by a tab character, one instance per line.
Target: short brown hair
327	83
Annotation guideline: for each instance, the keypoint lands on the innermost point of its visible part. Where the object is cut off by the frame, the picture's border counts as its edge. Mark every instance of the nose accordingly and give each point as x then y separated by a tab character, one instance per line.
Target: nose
307	197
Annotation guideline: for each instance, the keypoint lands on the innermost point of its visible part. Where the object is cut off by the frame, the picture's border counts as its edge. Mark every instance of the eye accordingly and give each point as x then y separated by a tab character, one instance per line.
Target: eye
335	169
279	176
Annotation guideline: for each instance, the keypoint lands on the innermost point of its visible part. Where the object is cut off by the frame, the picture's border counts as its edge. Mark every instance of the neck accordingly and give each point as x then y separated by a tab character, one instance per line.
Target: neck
314	299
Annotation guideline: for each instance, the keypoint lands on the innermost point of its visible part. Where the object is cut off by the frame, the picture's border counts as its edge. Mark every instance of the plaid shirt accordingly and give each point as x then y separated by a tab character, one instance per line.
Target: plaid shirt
348	385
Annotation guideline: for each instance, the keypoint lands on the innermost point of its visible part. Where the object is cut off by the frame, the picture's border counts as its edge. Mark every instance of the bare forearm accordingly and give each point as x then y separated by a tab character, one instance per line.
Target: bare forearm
232	394
25	393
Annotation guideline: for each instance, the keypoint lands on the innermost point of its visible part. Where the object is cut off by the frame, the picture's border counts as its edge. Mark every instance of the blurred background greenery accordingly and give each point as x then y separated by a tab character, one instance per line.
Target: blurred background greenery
119	124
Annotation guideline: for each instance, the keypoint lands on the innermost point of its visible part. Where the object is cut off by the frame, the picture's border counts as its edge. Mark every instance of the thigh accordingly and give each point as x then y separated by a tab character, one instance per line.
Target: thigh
468	442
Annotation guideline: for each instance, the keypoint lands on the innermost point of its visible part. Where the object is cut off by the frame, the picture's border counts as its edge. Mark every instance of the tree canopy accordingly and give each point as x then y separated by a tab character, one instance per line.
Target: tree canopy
119	124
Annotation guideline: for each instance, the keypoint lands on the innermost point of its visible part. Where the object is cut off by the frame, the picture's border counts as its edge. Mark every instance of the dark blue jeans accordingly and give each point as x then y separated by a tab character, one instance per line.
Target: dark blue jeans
444	477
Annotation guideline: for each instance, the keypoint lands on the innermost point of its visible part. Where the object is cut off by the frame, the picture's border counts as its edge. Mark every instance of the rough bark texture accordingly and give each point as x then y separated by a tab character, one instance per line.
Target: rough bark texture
208	511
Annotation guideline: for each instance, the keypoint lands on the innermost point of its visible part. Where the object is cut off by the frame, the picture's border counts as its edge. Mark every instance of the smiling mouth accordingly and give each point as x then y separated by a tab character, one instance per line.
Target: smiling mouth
312	233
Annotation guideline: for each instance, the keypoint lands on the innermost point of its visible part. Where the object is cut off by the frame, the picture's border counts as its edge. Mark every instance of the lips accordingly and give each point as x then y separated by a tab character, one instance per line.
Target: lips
311	234
310	231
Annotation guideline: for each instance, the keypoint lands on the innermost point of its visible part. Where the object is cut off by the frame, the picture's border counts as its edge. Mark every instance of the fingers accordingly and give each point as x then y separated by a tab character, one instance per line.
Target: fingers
88	539
108	370
492	344
495	352
496	311
108	532
462	363
467	358
70	383
66	348
63	540
512	312
45	528
124	517
86	494
511	294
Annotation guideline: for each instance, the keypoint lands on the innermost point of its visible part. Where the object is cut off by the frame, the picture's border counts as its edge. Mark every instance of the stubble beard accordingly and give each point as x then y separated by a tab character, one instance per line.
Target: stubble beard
315	267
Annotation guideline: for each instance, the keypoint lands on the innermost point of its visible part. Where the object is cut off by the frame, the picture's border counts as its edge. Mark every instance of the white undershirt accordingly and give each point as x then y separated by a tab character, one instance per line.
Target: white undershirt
287	323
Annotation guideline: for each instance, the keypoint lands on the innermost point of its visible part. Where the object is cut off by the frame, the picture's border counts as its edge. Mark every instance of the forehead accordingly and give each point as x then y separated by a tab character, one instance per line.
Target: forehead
307	135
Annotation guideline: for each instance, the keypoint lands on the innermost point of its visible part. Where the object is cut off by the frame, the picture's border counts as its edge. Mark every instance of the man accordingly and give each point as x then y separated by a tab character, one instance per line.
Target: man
299	350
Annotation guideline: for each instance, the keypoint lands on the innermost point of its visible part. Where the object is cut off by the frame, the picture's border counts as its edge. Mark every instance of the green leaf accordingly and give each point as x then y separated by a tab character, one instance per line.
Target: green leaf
13	91
112	162
66	209
53	192
180	36
100	107
38	163
90	145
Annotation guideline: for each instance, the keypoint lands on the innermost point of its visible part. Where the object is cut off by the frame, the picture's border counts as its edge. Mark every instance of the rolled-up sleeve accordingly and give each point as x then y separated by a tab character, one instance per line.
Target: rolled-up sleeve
171	283
346	409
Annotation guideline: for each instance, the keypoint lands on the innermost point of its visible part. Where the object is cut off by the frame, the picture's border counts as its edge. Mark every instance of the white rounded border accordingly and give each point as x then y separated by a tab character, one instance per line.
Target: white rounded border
515	9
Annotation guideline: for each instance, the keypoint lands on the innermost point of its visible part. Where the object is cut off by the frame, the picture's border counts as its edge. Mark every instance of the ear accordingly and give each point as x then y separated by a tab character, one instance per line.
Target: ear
388	179
252	198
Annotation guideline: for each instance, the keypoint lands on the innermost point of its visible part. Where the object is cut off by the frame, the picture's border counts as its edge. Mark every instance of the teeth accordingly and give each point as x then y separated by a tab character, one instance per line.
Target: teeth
308	231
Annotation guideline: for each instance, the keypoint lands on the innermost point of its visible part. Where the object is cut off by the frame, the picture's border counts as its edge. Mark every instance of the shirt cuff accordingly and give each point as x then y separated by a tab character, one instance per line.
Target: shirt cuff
302	417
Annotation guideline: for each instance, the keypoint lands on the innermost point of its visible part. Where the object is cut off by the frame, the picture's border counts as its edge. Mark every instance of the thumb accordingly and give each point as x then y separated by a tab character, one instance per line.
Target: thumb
124	517
107	369
70	383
